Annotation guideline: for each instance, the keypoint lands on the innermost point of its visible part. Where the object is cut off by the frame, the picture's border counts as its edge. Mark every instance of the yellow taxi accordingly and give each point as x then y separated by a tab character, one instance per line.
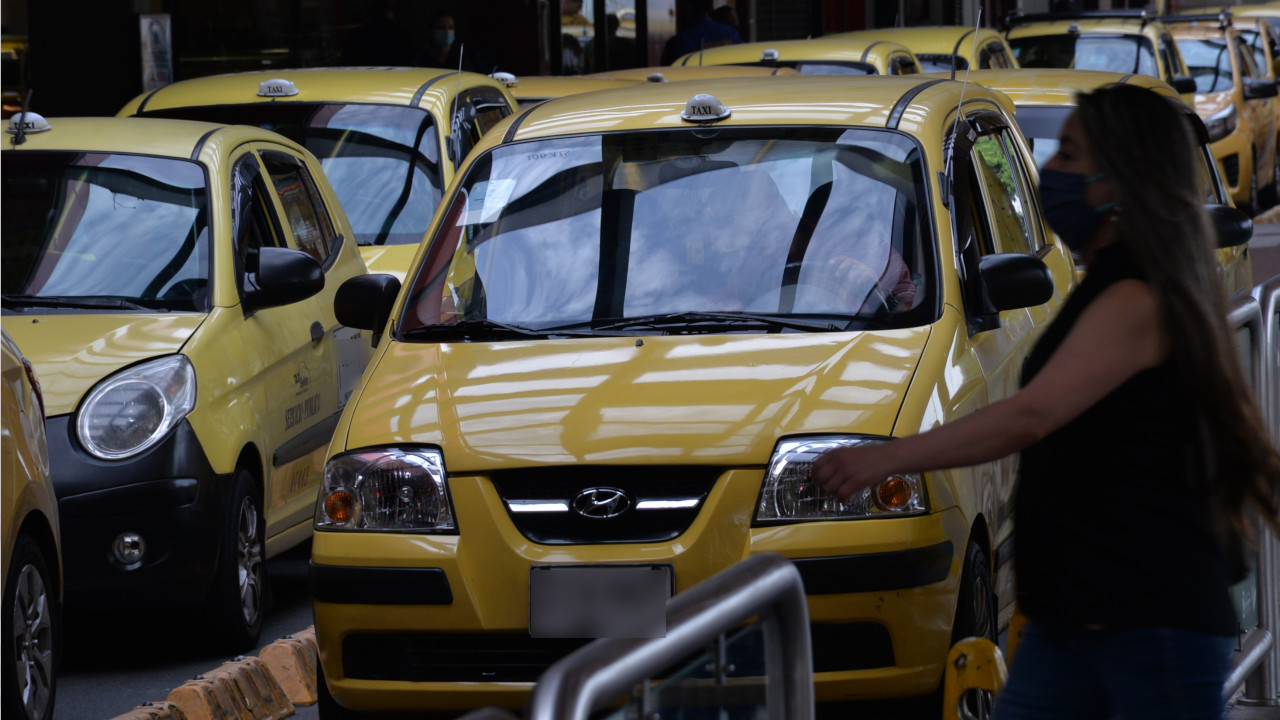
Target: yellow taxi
388	138
829	55
1237	101
947	47
678	73
1043	99
32	568
531	90
1126	41
172	282
639	316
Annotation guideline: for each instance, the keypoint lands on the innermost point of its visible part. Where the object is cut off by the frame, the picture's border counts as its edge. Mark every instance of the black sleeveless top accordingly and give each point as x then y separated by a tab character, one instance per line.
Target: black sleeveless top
1111	511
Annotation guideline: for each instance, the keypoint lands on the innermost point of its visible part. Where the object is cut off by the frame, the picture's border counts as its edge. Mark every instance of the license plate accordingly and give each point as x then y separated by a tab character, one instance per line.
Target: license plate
597	601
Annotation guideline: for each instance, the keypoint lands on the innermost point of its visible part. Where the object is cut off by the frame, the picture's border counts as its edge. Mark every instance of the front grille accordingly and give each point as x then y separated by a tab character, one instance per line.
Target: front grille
517	657
660	504
1231	166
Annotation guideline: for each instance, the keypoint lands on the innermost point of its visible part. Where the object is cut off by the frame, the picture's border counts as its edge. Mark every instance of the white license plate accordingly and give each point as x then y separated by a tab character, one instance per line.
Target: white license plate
596	601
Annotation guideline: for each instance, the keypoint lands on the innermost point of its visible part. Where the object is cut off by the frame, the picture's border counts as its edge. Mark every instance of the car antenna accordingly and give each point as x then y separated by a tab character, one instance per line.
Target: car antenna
20	135
454	124
960	106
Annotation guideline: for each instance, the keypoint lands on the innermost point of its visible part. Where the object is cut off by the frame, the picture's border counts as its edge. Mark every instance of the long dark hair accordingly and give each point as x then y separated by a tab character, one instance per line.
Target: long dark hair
1143	142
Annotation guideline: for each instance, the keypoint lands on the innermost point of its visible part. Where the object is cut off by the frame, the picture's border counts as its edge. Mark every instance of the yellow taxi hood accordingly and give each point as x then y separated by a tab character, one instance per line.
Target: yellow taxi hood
1210	104
71	353
670	399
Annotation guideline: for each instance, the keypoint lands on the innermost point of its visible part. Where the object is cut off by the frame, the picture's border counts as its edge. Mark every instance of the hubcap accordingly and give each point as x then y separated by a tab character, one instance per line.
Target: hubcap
33	642
249	561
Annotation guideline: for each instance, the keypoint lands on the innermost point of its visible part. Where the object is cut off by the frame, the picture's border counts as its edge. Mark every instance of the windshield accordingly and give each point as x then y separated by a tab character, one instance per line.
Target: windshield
588	232
1116	53
1209	62
382	160
98	226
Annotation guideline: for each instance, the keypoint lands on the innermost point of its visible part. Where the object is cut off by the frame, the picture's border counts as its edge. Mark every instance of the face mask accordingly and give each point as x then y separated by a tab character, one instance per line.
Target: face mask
1062	195
443	37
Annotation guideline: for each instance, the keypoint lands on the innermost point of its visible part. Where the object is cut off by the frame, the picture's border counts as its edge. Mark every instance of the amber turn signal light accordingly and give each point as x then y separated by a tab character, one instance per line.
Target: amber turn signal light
893	494
340	506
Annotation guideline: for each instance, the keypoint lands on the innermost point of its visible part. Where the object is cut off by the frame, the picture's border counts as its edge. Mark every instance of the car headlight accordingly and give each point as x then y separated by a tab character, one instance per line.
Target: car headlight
790	495
398	489
1222	124
135	408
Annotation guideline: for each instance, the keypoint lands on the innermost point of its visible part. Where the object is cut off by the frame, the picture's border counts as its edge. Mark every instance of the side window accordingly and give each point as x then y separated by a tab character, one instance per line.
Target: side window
1003	185
251	225
1247	67
474	113
1169	56
303	205
902	65
998	57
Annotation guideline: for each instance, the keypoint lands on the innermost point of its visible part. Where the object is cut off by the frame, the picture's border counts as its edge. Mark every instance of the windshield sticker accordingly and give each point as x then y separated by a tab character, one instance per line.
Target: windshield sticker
486	201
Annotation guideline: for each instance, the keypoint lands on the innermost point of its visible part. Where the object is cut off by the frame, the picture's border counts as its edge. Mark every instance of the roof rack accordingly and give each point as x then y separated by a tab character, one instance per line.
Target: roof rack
1223	18
1134	14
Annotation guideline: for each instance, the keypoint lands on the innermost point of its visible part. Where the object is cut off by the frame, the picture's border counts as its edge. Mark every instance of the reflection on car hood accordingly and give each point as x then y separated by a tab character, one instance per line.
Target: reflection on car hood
1210	104
676	400
71	353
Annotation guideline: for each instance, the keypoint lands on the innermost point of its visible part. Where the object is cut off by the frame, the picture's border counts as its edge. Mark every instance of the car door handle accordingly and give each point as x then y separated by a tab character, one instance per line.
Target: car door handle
317	331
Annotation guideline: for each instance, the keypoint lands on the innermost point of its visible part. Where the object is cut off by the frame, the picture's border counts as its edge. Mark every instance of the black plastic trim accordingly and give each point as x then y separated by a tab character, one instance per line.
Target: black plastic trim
309	440
875	572
900	107
379	586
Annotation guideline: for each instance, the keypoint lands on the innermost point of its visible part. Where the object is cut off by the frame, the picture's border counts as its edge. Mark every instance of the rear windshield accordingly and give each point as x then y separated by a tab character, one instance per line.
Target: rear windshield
621	230
1115	53
96	228
382	160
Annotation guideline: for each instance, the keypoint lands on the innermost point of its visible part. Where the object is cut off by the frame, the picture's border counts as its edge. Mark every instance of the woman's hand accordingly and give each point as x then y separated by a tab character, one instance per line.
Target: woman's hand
844	471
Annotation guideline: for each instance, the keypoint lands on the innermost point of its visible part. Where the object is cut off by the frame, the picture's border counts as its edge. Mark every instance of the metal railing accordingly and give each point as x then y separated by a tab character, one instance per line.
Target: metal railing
1256	319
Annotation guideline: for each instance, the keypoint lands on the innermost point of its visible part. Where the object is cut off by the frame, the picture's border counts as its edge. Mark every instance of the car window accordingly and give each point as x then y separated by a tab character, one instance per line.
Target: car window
102	225
902	65
938	62
1253	39
490	108
1248	68
1209	62
781	222
1003	186
1116	53
304	207
383	161
252	226
1170	56
995	56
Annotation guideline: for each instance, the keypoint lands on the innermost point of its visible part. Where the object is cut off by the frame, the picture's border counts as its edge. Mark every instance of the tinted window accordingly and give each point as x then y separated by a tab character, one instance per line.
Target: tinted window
303	206
1007	195
383	161
96	225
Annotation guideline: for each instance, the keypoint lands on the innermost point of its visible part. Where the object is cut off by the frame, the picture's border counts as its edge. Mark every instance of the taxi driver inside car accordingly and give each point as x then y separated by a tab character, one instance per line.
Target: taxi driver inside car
581	329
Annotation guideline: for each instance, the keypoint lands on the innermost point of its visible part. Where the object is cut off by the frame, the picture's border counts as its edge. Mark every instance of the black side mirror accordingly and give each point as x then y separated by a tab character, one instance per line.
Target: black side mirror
283	276
1258	88
1232	226
1184	84
365	301
1015	280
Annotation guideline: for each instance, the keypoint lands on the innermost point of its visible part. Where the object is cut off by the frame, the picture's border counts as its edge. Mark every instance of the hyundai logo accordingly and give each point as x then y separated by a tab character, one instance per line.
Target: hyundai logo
601	503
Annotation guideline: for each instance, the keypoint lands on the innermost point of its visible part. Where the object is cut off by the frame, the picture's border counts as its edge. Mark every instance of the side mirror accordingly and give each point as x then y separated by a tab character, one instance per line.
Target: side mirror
1259	88
365	301
1015	280
1184	84
1232	226
283	276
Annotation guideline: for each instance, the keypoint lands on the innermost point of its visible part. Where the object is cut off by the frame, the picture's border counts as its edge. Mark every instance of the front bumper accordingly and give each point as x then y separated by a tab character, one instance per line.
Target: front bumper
440	622
170	495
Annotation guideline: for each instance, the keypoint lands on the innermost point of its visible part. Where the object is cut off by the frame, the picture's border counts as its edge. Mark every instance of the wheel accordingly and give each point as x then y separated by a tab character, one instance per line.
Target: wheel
975	617
236	602
31	632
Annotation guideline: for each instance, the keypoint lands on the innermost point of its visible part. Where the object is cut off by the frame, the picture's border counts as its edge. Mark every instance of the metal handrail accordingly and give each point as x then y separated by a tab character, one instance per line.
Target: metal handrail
765	586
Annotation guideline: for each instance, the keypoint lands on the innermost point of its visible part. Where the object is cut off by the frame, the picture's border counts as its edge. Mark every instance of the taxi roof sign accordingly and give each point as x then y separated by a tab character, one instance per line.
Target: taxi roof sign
27	123
769	55
704	108
506	78
277	87
656	77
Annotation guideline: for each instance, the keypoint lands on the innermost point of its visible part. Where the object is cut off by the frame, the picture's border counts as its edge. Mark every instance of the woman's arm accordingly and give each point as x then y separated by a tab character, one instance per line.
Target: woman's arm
1118	335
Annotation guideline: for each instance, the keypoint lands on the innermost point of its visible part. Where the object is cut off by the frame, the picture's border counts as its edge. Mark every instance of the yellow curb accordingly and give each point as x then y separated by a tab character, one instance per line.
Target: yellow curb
266	687
292	662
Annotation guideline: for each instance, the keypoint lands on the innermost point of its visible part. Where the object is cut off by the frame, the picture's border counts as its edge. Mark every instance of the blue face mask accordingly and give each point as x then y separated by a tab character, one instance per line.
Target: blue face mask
443	38
1062	195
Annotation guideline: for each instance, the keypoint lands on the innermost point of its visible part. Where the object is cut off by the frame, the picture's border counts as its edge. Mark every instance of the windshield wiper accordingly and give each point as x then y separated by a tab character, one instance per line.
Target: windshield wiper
480	330
708	322
88	302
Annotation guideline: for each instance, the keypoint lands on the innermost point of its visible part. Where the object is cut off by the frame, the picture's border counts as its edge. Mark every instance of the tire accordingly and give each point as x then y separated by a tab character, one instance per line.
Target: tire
976	610
237	601
32	630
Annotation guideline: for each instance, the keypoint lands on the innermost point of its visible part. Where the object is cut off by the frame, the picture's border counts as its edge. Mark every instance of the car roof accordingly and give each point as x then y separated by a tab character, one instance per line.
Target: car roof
840	49
410	87
180	139
676	73
551	86
1106	22
1056	86
932	39
908	103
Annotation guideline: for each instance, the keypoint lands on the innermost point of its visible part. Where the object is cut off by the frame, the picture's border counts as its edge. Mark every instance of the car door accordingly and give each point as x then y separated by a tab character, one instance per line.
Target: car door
1259	113
298	376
